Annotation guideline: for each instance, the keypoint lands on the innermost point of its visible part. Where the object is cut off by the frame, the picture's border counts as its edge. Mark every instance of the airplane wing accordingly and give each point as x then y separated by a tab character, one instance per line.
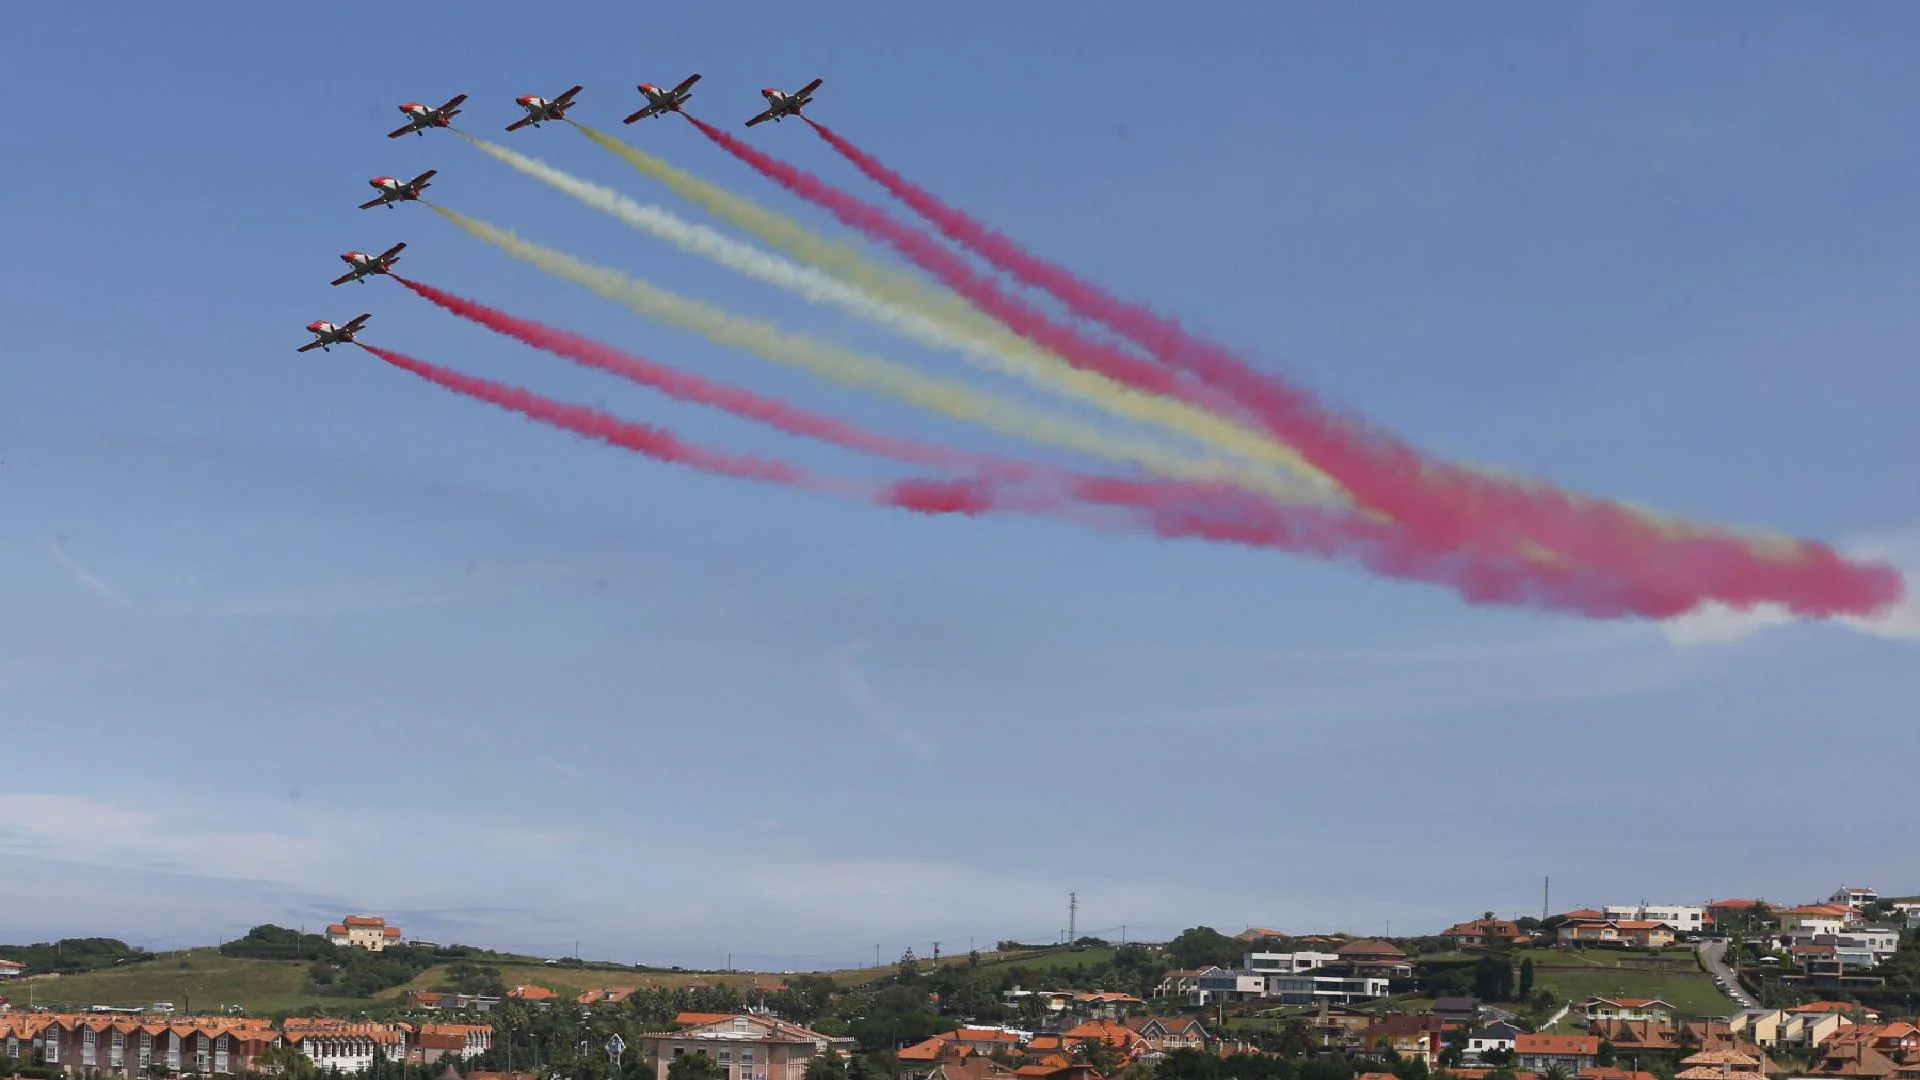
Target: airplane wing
641	115
397	132
391	252
808	89
520	123
358	321
421	180
309	345
566	97
453	102
684	83
343	278
762	118
371	203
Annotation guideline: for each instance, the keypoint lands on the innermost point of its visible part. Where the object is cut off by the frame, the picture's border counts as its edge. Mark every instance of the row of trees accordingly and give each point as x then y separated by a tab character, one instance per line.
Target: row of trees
70	956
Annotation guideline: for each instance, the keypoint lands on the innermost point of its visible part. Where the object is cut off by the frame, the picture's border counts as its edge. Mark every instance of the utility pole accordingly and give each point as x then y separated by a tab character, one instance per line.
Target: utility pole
1123	933
1073	912
936	954
1546	890
876	955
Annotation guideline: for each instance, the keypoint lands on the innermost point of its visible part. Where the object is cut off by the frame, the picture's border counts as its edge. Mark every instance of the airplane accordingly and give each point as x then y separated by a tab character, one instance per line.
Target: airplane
782	105
392	191
539	109
420	118
364	264
326	334
662	101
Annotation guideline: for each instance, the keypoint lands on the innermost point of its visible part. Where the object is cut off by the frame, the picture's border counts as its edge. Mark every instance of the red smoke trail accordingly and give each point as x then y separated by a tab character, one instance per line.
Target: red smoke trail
654	442
1171	509
1443	506
742	403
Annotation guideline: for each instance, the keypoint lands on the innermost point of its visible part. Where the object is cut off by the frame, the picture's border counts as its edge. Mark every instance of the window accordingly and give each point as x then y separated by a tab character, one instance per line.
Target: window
50	1046
746	1057
88	1042
201	1054
117	1050
173	1053
726	1056
146	1051
220	1051
13	1046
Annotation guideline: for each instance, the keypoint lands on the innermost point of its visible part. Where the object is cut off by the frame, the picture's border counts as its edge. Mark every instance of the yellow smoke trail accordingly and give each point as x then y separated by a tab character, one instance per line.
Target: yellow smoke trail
902	290
854	368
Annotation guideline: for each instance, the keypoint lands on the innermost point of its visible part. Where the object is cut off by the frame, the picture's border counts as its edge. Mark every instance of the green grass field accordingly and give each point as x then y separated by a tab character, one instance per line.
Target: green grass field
204	980
201	978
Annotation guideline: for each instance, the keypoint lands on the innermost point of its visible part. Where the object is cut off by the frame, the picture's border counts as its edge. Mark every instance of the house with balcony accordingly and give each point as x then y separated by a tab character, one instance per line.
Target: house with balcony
1683	918
1374	957
11	969
743	1047
1418	1037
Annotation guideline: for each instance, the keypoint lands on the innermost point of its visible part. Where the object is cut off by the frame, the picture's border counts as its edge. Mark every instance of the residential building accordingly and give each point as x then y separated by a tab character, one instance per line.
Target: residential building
332	1044
131	1046
1180	982
1791	1029
1461	1011
1683	918
434	1042
1258	933
1164	1033
369	932
1314	988
1639	933
1106	1004
1483	932
745	1047
1543	1052
1493	1037
1818	918
1600	1008
1854	896
1374	957
530	992
1722	1065
11	969
1414	1037
1631	1035
606	995
1222	984
1288	962
1908	911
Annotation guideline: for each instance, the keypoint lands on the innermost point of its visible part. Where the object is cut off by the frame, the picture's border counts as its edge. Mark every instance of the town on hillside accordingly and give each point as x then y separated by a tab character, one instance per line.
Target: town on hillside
1729	990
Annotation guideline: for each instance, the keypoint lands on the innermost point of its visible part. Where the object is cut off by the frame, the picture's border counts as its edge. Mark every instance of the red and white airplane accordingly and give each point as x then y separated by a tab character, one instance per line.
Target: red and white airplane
539	108
664	101
420	118
326	334
364	264
782	105
392	191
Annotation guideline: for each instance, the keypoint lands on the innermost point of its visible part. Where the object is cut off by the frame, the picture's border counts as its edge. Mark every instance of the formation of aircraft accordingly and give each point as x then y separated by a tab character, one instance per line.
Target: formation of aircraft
326	335
539	109
781	105
420	118
664	101
363	264
392	191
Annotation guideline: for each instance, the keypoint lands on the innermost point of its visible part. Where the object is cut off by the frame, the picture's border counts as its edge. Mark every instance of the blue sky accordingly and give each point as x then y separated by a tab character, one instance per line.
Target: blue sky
292	636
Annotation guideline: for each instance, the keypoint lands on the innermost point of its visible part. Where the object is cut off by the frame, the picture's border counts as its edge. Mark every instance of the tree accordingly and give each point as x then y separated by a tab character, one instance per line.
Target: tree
1605	1057
1526	979
828	1066
909	970
1097	1055
695	1067
1493	978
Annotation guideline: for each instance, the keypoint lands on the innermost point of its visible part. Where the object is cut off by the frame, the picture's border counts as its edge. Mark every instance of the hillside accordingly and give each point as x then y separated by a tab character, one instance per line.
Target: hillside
1675	976
204	980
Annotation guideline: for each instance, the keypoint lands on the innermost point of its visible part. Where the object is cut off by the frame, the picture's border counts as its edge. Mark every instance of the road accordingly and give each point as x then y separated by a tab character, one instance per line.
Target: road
1714	955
